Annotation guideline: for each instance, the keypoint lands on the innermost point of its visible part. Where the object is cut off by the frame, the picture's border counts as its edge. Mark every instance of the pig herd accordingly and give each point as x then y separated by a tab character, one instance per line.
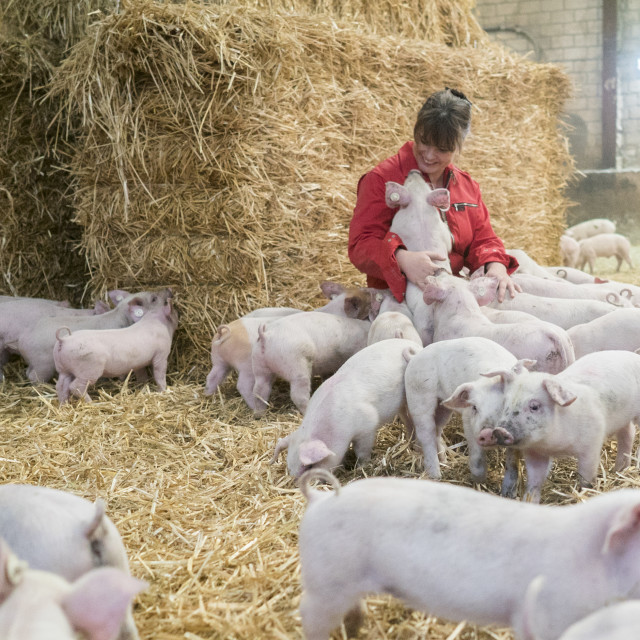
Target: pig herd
551	372
63	566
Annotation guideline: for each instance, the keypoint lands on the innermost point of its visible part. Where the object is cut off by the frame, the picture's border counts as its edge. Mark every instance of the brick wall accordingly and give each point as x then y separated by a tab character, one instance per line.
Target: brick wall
569	32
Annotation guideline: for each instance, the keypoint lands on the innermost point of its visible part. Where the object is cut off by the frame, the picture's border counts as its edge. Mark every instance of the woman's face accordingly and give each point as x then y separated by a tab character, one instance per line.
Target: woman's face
431	160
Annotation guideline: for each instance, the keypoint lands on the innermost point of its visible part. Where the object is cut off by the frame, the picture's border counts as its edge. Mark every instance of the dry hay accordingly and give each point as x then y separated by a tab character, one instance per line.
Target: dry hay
206	520
37	241
221	146
441	21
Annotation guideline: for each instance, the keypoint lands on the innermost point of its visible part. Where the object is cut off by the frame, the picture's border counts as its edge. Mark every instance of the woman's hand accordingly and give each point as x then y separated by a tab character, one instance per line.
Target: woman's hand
418	265
499	271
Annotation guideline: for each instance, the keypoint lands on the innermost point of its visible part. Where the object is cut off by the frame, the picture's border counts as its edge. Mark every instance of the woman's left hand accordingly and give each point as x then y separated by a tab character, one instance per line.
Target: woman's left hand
499	271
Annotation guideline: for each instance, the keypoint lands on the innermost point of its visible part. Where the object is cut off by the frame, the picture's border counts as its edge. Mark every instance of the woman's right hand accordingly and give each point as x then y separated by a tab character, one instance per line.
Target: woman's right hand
418	265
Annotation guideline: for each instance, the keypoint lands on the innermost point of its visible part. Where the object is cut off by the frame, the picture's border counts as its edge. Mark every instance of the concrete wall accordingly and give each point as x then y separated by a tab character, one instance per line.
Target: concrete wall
569	32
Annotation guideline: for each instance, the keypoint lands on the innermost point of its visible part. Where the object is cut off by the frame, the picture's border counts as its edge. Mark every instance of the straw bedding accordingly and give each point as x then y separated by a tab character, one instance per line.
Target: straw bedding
216	148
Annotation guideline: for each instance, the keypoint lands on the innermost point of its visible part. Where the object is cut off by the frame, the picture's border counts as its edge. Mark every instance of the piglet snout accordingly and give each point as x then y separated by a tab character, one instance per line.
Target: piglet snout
497	436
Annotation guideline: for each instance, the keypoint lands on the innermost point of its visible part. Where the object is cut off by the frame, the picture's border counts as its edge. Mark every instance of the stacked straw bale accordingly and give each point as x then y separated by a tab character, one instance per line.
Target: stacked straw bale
221	146
37	241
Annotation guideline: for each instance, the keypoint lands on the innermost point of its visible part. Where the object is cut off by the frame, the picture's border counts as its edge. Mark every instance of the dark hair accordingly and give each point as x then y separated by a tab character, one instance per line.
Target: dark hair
443	120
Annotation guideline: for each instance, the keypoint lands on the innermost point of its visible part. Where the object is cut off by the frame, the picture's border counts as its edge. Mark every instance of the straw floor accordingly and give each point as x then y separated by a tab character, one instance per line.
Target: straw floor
207	521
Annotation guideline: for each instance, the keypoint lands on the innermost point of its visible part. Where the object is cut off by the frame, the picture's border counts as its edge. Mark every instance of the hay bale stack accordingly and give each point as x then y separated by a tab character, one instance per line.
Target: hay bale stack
221	146
440	21
37	241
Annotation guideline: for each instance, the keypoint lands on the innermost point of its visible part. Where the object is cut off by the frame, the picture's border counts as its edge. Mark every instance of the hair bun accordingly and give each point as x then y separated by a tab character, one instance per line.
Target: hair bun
458	94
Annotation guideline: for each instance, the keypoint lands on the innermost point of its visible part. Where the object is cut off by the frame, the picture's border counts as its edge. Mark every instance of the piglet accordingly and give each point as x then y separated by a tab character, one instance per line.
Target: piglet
19	315
569	251
298	347
59	532
36	344
40	605
592	227
605	245
233	343
365	393
614	621
569	414
403	536
84	356
611	332
393	324
433	376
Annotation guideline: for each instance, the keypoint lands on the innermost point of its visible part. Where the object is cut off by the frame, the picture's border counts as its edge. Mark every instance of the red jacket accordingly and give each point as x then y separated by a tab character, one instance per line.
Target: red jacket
372	248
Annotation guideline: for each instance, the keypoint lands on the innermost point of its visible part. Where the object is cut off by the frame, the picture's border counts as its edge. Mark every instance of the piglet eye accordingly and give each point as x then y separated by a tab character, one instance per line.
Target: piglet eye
474	408
534	405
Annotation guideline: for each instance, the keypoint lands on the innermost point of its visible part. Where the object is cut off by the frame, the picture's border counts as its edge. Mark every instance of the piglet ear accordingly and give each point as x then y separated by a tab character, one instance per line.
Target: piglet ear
439	198
484	289
377	297
524	364
625	526
98	601
459	399
506	375
396	195
100	307
432	291
118	295
313	451
11	570
331	289
559	394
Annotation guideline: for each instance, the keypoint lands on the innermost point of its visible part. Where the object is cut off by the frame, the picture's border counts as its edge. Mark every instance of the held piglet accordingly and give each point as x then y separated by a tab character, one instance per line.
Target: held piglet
62	533
402	537
232	344
365	393
569	414
36	344
298	347
431	378
39	605
84	356
456	314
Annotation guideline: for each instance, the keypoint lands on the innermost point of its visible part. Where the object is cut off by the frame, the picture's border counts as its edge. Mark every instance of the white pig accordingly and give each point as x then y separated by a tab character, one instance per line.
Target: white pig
590	228
569	414
614	621
393	324
404	536
62	533
233	343
81	358
563	289
457	314
576	276
19	315
300	346
39	605
605	245
36	344
432	376
563	312
611	332
569	251
527	265
365	393
422	226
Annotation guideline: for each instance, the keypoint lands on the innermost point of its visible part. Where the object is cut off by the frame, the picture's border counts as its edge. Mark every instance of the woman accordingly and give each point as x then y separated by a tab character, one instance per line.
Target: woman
441	127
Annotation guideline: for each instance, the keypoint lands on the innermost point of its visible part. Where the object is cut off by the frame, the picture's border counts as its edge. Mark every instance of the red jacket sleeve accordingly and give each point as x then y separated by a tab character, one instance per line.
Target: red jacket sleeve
486	246
371	245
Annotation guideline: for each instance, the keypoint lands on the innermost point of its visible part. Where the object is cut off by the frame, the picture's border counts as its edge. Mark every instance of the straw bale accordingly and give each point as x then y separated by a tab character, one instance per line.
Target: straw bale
220	146
206	520
38	242
442	21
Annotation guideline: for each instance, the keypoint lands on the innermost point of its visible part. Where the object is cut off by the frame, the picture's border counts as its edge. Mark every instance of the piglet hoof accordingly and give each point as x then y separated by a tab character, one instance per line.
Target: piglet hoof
353	621
509	490
584	484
